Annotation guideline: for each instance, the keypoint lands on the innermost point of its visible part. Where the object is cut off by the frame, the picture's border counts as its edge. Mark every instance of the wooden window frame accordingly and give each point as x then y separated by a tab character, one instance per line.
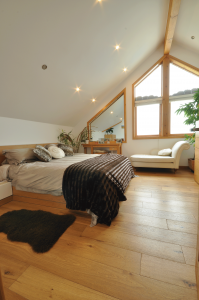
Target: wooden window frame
165	107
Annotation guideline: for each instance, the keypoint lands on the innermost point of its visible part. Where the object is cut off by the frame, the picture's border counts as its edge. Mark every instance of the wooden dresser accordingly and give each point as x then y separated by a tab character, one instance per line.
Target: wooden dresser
111	147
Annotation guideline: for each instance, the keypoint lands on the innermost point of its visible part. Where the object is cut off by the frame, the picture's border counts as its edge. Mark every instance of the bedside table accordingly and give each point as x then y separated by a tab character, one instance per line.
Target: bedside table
5	190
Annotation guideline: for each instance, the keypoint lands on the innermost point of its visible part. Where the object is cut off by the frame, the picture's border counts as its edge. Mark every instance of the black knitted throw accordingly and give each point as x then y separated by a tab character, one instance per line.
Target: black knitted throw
98	184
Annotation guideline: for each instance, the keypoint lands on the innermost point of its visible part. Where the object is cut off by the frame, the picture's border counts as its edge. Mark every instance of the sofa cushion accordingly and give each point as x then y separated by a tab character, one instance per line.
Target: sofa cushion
152	158
165	152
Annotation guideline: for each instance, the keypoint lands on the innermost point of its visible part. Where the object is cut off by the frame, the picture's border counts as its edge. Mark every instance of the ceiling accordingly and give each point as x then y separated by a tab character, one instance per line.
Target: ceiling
188	25
76	39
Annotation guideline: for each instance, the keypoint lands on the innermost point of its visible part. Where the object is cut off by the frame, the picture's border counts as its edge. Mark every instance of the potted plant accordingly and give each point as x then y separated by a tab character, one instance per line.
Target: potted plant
110	130
191	112
109	134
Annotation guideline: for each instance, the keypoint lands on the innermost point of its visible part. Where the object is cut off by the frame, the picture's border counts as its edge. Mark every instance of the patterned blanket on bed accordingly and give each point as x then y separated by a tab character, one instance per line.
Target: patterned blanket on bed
98	184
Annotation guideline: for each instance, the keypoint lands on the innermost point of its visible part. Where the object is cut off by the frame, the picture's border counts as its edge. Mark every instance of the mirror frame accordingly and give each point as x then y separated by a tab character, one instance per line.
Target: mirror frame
123	92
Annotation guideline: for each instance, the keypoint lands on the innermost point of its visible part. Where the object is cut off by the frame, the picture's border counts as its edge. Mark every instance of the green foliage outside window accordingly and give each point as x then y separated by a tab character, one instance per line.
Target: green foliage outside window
191	112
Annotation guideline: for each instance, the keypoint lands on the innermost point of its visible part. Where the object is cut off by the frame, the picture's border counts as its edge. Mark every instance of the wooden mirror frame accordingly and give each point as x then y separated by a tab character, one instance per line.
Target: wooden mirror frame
123	92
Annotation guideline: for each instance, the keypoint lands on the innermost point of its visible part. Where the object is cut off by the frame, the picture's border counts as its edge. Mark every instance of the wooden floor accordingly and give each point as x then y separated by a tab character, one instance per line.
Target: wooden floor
147	253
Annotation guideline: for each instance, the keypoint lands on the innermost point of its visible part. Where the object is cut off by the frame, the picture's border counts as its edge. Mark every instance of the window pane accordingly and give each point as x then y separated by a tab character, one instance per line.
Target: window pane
151	85
177	121
148	119
181	80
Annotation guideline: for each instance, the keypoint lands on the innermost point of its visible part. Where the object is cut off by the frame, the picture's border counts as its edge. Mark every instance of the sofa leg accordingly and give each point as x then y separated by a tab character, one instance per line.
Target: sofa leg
174	171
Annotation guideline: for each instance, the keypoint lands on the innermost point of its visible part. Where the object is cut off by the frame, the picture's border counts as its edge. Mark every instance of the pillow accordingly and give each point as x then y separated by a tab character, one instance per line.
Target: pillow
68	150
4	172
49	145
42	153
56	152
18	156
165	152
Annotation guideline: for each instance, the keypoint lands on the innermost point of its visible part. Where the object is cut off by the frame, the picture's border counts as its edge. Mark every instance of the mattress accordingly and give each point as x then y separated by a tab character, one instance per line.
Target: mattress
43	177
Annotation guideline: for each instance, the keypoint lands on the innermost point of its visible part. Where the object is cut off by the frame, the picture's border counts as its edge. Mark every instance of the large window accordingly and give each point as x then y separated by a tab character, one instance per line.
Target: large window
158	94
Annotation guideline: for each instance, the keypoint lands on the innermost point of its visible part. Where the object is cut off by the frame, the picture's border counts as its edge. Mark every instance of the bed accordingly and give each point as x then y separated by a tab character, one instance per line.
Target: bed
99	193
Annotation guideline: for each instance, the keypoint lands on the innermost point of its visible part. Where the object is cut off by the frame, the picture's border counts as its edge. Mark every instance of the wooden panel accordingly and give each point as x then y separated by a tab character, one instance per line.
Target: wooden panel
38	196
174	7
2	157
2	295
10	295
167	207
52	286
103	253
164	235
168	271
159	214
11	269
189	255
6	200
139	219
197	153
182	226
40	202
110	281
136	243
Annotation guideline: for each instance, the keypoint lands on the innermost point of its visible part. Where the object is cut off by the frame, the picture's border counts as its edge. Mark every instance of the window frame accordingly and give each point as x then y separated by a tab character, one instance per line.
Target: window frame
165	107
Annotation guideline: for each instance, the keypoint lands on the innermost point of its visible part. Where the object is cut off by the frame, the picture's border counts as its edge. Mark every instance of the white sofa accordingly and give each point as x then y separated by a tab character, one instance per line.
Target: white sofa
155	161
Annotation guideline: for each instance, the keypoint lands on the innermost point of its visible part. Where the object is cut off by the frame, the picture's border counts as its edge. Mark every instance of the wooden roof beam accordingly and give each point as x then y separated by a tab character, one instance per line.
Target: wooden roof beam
174	8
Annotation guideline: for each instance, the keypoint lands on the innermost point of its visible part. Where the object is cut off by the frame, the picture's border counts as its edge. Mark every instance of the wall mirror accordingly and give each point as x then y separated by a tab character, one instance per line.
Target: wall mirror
109	124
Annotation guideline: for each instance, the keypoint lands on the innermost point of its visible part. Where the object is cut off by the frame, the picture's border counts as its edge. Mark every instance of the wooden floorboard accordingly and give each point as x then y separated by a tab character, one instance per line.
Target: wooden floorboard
148	252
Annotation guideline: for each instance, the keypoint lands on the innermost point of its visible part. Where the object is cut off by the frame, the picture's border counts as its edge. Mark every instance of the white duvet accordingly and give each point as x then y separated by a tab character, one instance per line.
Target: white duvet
44	177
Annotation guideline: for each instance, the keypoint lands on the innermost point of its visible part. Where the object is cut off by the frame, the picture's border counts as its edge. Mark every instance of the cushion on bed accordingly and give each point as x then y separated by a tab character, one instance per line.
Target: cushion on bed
67	149
165	152
56	152
42	153
18	156
49	145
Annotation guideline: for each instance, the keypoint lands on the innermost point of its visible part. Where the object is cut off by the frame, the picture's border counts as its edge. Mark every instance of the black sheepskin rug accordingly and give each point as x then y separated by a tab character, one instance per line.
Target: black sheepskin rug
38	228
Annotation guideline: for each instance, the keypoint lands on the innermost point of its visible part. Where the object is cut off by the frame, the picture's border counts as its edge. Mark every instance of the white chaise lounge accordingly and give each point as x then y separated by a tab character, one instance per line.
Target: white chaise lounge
155	161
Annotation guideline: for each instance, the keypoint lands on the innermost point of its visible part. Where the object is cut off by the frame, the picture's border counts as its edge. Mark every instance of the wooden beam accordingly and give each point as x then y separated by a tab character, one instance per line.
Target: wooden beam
165	98
174	7
2	296
184	65
112	126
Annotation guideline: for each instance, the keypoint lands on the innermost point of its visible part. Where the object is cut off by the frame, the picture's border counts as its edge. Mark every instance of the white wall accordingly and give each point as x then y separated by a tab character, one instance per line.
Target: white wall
19	132
141	146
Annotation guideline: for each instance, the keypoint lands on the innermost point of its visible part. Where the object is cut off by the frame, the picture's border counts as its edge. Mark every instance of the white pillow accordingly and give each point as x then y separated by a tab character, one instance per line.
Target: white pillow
56	152
165	152
4	172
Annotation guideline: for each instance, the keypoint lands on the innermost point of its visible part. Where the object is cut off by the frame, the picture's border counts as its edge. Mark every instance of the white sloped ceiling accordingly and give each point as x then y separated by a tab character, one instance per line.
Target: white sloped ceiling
75	39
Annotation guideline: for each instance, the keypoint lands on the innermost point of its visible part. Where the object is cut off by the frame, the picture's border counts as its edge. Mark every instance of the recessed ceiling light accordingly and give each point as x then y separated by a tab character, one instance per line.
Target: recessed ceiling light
111	112
44	67
117	47
192	37
77	89
125	69
93	100
120	118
